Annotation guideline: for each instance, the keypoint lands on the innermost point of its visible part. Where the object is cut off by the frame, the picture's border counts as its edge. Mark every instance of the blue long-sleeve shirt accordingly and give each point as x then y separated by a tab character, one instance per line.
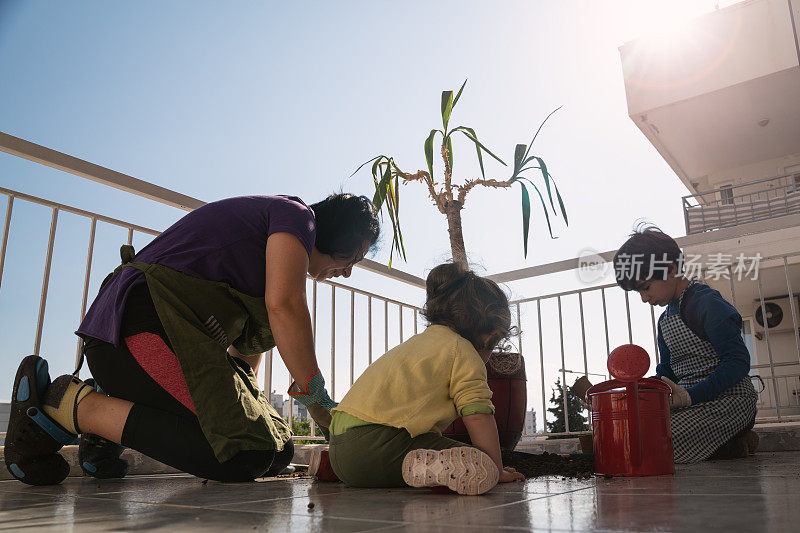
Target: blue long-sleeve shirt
711	318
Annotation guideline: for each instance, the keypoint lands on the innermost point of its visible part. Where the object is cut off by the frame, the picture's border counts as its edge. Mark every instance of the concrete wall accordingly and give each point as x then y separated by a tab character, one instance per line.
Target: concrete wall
727	47
761	170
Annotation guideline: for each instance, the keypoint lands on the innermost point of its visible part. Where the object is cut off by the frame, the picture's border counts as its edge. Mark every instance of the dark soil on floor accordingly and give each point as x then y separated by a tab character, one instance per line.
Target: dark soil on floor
550	464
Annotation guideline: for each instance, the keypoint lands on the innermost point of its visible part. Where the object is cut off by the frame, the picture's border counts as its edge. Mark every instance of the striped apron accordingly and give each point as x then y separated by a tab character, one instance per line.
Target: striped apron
699	430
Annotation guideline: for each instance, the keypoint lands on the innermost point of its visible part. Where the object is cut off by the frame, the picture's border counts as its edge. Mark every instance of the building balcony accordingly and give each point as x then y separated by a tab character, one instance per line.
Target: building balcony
733	205
720	92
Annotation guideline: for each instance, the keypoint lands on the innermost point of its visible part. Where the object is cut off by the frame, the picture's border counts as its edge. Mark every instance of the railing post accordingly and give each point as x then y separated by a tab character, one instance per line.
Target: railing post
541	364
333	343
386	325
369	329
793	308
583	336
86	278
605	321
564	390
352	336
655	333
769	350
46	281
400	313
628	315
6	226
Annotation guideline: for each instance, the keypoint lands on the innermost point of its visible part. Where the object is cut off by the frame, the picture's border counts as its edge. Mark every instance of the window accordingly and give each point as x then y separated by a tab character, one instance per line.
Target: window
726	195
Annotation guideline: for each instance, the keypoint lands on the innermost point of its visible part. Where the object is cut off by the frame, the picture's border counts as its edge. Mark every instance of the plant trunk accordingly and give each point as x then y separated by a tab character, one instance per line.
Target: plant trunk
452	210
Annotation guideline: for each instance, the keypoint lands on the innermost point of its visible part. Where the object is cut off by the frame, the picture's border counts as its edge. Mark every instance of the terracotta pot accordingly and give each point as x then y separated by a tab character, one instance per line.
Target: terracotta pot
506	377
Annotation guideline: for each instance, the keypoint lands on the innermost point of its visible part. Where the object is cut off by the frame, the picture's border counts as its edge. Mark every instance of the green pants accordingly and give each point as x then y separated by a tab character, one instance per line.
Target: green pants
372	455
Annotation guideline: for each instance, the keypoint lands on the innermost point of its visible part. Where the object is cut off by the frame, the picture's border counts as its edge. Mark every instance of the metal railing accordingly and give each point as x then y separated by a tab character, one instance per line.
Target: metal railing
738	204
590	351
627	329
777	402
778	399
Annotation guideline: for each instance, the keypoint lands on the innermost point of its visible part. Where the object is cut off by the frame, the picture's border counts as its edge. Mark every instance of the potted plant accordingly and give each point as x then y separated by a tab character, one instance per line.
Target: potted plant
505	370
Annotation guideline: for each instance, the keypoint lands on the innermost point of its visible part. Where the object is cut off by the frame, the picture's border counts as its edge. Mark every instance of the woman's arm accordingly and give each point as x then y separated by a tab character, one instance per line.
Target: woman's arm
253	360
285	298
482	430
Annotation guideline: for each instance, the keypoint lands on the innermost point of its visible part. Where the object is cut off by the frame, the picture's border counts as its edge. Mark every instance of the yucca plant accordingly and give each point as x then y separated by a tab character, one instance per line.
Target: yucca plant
450	197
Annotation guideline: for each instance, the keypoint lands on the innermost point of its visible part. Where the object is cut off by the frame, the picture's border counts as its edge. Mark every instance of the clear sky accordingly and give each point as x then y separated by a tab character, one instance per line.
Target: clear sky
219	99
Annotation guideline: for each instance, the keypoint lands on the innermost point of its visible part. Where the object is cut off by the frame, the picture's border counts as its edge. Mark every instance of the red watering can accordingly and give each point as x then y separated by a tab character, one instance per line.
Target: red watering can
630	418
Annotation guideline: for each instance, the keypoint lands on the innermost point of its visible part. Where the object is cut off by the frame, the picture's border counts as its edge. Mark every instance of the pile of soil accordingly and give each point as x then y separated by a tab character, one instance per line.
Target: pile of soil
578	466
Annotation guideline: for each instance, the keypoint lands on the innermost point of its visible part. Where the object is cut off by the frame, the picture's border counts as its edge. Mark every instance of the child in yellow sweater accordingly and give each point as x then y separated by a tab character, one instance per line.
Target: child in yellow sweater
387	431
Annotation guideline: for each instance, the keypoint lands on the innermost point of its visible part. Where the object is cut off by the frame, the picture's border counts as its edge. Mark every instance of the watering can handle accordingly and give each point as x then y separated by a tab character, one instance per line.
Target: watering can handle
633	423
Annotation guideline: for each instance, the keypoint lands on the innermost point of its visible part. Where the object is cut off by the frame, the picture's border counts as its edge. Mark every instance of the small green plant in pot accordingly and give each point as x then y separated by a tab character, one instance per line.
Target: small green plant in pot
505	370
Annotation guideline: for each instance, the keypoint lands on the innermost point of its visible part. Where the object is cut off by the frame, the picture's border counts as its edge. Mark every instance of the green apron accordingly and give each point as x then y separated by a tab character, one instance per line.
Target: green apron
202	318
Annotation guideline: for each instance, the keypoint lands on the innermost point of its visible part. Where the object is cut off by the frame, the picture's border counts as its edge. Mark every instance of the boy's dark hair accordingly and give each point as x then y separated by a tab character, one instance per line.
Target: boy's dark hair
345	223
647	254
468	304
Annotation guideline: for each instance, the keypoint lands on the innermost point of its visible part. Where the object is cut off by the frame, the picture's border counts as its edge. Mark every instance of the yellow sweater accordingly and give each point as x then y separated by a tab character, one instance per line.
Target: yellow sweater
421	385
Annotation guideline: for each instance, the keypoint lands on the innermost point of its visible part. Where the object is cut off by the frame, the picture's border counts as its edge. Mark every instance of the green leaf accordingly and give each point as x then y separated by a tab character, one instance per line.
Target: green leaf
364	163
477	146
447	107
392	196
402	249
449	144
381	186
561	204
546	180
519	154
526	217
469	133
560	201
526	168
458	94
540	128
544	206
429	151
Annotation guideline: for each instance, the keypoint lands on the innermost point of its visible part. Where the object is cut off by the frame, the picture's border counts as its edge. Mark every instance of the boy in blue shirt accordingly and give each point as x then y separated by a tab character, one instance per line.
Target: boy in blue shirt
703	357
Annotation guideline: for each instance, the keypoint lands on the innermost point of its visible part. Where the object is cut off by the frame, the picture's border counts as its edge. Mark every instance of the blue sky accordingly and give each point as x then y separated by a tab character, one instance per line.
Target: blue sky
216	100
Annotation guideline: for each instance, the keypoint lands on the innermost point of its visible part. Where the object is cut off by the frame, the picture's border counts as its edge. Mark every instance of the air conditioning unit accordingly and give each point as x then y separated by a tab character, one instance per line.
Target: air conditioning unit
778	315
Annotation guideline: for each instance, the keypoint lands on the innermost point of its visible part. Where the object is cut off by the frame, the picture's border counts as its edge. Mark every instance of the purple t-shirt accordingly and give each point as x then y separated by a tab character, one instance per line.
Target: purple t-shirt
222	241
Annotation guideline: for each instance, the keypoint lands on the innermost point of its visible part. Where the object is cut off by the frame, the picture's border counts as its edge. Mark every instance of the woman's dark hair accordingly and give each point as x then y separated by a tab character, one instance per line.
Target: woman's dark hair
468	304
347	226
647	254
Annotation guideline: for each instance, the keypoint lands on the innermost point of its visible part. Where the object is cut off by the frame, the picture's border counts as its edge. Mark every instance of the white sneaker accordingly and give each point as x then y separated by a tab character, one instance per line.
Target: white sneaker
465	470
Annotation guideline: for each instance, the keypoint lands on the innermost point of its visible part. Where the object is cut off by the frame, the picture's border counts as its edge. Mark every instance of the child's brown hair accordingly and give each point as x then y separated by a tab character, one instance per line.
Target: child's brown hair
646	254
468	304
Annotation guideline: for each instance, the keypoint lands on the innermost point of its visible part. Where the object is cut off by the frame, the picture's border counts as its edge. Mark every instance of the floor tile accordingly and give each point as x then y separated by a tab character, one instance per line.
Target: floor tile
756	494
397	505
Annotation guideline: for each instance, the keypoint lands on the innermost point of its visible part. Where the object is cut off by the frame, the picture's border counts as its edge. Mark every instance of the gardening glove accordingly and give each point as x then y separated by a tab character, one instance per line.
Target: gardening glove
679	397
316	399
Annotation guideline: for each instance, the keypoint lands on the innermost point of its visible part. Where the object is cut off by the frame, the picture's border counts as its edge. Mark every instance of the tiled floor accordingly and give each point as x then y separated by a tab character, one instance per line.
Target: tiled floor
757	494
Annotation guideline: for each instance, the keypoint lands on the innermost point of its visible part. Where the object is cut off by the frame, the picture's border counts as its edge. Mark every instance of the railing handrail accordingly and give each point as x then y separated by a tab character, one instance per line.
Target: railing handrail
76	211
739	185
84	169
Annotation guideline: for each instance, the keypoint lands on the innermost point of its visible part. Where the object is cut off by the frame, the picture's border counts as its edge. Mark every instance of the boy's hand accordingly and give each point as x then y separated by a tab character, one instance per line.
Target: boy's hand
680	396
508	475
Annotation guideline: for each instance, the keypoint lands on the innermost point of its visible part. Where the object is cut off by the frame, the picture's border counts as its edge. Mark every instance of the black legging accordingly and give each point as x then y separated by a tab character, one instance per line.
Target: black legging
158	425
